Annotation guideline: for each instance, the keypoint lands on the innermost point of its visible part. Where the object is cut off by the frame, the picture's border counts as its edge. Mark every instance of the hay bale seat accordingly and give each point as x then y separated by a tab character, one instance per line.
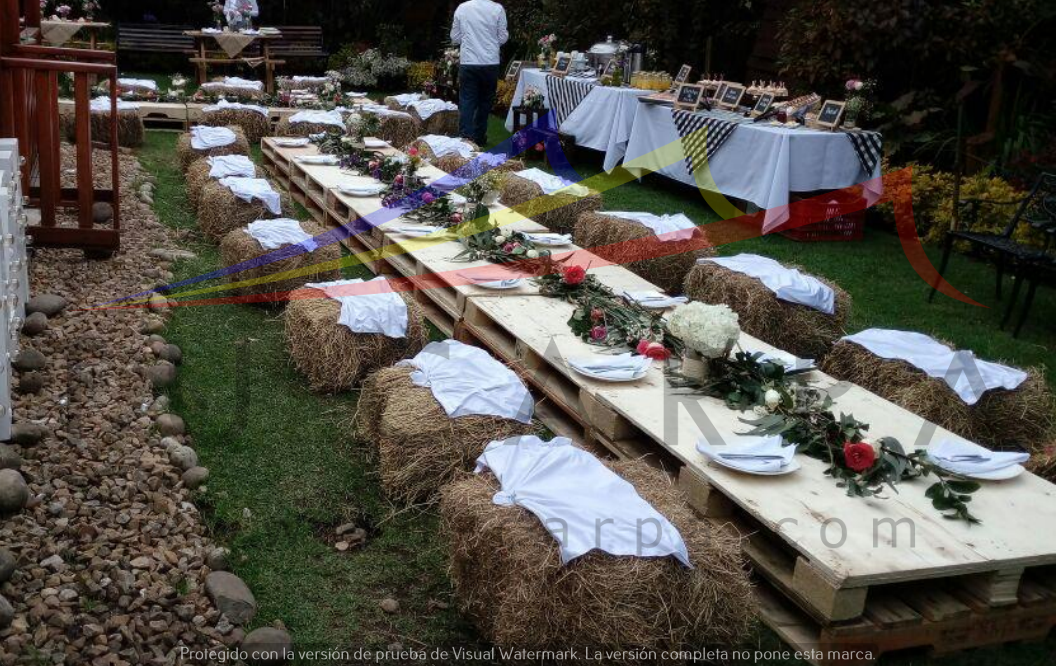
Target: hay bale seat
332	357
612	238
508	577
130	130
427	152
420	448
286	128
1043	462
238	246
198	178
798	329
255	125
442	122
187	155
399	130
220	212
1025	417
556	212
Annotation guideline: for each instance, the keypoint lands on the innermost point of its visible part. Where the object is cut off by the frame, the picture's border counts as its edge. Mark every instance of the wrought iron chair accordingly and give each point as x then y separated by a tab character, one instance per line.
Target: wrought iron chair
1035	209
1037	272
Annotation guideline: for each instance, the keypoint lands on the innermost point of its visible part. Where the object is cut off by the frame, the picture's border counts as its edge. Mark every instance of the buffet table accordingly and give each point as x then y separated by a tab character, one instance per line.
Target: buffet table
602	121
760	163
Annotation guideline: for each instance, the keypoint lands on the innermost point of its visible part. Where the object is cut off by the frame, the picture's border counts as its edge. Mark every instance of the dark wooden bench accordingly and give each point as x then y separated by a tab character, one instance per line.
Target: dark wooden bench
154	38
299	41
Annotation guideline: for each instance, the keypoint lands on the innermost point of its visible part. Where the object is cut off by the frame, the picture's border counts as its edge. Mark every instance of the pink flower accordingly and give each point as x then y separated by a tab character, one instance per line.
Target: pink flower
508	248
597	314
653	350
599	333
413	152
398	179
456	218
373	165
428	198
573	275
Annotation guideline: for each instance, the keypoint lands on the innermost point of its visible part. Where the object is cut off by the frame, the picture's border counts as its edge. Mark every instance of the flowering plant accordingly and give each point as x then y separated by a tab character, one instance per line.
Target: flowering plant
546	42
63	11
89	8
497	245
533	98
859	98
365	68
709	330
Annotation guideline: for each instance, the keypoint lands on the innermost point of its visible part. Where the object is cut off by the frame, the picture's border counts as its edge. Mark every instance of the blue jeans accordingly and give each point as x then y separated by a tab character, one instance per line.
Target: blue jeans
476	97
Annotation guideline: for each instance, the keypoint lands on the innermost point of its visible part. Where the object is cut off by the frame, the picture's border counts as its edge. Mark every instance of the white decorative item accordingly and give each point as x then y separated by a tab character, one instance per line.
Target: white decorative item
709	332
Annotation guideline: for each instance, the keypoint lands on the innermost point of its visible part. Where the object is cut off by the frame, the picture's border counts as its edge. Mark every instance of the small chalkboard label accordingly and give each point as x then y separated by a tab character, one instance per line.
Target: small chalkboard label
683	75
514	70
564	63
762	105
688	97
830	114
731	96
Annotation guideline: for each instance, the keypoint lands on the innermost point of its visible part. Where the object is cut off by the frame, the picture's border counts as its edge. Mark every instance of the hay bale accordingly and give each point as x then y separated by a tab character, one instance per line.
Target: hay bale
130	130
187	155
419	447
198	178
623	241
399	130
238	247
220	212
508	577
801	330
1043	462
286	128
556	212
442	122
335	359
255	125
427	152
1024	417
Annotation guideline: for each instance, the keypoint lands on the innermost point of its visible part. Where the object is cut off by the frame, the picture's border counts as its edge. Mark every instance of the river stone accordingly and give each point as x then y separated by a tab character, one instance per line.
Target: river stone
158	302
49	304
7	613
30	383
14	493
156	338
8	564
218	559
161	375
102	212
267	646
390	606
183	457
9	458
171	425
231	596
152	325
27	434
35	324
195	477
172	354
29	360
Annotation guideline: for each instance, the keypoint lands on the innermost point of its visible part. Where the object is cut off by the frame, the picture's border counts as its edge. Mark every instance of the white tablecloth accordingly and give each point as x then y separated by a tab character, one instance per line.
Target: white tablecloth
602	122
759	163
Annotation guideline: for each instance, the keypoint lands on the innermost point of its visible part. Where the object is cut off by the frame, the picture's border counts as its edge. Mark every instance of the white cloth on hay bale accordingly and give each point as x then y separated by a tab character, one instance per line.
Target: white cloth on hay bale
384	111
273	234
969	377
204	137
788	284
102	105
552	184
467	381
224	105
407	98
372	309
672	228
240	83
138	84
248	189
427	108
319	117
446	145
223	166
581	503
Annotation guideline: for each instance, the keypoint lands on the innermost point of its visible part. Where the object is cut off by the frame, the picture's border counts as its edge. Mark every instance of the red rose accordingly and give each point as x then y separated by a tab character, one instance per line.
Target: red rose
413	152
599	333
653	350
574	275
597	314
859	457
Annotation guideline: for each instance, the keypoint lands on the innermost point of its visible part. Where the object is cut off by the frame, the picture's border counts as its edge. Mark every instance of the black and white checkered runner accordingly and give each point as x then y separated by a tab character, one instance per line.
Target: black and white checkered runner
565	95
698	145
869	146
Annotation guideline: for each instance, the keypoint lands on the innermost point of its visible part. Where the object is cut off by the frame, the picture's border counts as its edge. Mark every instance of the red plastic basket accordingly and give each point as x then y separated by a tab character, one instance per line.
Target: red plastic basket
839	219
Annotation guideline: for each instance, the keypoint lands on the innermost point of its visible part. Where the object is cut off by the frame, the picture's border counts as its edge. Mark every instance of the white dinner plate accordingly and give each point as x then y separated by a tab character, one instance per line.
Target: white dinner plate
501	284
361	190
291	143
375	143
414	232
610	379
787	469
550	240
1005	474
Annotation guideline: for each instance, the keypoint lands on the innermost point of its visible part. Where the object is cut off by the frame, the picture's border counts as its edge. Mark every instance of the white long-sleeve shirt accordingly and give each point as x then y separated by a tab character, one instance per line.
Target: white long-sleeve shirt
480	28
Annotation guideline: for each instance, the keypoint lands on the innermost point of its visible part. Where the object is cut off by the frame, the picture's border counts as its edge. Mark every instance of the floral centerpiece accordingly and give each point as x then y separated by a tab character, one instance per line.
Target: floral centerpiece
546	48
449	62
533	99
89	9
349	145
63	12
708	332
859	100
217	8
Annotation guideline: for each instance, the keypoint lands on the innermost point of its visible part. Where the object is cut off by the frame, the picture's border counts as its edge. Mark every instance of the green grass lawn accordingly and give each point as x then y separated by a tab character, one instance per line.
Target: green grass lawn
287	467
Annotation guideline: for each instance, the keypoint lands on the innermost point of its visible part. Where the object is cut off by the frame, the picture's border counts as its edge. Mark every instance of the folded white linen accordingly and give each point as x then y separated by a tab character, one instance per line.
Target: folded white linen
496	281
384	111
211	31
420	230
324	160
292	142
466	380
551	183
223	166
580	501
963	457
623	366
788	284
790	364
355	95
238	82
380	310
654	299
751	454
273	234
407	98
969	377
550	238
308	80
430	107
204	138
318	117
102	105
446	145
138	84
675	227
224	105
248	189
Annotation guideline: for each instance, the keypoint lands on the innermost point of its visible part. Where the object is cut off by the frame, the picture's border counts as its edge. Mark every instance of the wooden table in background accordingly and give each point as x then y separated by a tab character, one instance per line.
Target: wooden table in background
203	56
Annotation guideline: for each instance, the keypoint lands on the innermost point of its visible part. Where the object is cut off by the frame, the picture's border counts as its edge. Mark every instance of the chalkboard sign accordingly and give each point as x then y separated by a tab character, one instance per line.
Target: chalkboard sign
731	96
688	97
762	105
830	113
514	70
564	63
683	75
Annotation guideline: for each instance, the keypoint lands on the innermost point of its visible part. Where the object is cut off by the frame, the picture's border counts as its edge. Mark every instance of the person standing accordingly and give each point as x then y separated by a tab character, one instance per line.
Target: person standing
479	29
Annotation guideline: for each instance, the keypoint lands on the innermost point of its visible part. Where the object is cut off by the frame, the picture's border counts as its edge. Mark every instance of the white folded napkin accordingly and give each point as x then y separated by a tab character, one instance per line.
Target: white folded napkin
790	364
497	280
671	228
654	299
222	166
211	31
359	190
248	189
324	160
273	234
224	105
369	310
429	107
788	284
963	457
289	142
421	230
550	239
624	366
551	183
204	138
751	454
102	105
968	376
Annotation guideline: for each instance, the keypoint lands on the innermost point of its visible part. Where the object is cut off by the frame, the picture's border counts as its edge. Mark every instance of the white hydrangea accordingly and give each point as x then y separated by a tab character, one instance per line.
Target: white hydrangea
709	330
